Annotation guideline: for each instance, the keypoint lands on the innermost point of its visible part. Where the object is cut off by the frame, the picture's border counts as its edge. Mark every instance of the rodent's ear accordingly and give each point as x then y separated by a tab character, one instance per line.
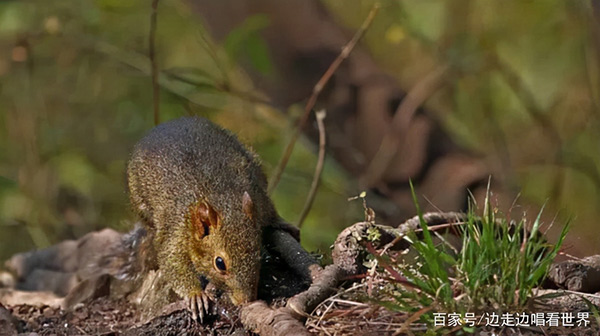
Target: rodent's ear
247	205
203	219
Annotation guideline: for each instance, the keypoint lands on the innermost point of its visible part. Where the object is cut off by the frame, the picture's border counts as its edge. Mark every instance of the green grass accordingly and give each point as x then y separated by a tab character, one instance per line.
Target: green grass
499	265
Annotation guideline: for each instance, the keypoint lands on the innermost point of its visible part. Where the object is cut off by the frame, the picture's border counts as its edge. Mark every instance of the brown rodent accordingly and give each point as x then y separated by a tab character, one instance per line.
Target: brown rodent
202	196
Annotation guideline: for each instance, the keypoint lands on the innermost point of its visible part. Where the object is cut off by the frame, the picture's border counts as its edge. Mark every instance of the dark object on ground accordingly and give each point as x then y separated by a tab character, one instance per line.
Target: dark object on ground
577	275
9	325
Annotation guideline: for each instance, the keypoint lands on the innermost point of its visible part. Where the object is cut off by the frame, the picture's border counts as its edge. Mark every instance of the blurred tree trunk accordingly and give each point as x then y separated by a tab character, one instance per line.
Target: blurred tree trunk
361	101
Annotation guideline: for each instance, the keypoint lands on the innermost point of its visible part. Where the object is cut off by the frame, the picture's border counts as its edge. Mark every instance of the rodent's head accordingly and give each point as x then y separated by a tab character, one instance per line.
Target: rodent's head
227	247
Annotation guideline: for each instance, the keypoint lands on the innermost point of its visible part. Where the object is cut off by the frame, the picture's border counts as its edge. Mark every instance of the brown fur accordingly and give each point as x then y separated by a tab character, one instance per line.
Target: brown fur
202	195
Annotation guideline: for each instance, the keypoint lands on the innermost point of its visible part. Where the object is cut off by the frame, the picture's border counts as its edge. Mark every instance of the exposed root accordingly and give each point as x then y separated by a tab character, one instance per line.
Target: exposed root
263	320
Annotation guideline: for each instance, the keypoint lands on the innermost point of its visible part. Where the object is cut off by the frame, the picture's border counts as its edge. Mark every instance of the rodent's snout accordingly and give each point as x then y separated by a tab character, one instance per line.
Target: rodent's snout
243	293
238	298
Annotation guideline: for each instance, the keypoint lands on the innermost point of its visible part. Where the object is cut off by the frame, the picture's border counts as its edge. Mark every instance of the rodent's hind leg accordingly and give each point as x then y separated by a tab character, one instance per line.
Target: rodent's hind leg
198	305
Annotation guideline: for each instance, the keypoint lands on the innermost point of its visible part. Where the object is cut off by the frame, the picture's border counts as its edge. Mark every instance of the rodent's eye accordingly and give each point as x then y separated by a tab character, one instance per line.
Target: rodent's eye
220	264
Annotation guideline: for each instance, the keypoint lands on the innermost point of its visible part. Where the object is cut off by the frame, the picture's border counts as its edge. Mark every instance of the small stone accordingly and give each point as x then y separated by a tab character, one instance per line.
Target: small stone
8	323
48	312
7	280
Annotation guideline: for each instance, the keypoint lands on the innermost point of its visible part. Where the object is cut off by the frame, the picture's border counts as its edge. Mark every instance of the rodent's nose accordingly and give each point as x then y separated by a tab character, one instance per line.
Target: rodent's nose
238	298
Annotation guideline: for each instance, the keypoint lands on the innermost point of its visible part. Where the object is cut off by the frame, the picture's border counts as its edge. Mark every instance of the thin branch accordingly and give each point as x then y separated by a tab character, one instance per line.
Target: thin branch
210	49
396	135
320	115
152	56
315	94
529	101
139	63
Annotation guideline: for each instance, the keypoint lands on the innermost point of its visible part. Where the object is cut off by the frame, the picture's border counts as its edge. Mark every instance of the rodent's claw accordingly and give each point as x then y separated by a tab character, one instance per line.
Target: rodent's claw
192	307
205	302
198	305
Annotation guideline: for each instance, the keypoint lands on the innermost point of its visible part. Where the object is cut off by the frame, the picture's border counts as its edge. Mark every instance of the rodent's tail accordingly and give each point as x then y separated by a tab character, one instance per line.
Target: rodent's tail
132	257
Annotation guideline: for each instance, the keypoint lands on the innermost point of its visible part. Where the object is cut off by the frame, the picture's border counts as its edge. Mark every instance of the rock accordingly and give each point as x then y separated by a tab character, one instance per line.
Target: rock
7	280
61	257
577	275
60	283
87	290
91	248
8	323
11	297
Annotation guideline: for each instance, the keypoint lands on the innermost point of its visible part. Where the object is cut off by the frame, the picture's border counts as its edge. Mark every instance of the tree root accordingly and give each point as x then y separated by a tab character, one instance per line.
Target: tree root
263	320
348	258
323	286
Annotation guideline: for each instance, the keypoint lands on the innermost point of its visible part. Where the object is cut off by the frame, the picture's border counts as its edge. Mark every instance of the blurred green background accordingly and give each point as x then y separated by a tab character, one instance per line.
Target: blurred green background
76	94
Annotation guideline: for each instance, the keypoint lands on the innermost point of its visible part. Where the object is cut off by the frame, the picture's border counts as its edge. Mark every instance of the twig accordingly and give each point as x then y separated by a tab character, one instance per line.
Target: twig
527	98
138	62
320	115
346	50
396	135
431	228
350	303
330	300
413	318
395	274
324	313
440	226
213	54
152	56
81	330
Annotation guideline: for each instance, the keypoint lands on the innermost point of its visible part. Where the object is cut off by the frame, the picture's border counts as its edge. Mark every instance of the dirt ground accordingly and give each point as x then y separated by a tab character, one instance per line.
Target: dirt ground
107	317
104	316
31	304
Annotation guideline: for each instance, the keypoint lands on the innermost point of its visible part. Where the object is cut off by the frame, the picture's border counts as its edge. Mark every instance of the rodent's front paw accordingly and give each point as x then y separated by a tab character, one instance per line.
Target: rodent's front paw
199	305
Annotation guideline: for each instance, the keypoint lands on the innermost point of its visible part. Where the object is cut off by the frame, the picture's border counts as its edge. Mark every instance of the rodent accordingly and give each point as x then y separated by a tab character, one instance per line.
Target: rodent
202	196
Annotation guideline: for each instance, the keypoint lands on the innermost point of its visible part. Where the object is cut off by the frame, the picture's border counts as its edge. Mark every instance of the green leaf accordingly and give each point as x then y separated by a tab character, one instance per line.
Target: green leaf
15	17
191	75
258	53
117	4
245	41
6	183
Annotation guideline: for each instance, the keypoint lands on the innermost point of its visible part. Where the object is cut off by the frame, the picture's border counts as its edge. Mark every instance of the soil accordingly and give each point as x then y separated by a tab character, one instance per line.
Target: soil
104	316
31	302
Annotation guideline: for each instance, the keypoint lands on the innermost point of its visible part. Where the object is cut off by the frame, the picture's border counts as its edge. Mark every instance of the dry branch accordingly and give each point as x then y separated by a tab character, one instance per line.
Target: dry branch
318	168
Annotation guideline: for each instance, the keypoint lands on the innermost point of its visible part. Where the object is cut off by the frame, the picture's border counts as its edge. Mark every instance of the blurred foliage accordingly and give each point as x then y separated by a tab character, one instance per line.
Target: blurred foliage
523	89
76	95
